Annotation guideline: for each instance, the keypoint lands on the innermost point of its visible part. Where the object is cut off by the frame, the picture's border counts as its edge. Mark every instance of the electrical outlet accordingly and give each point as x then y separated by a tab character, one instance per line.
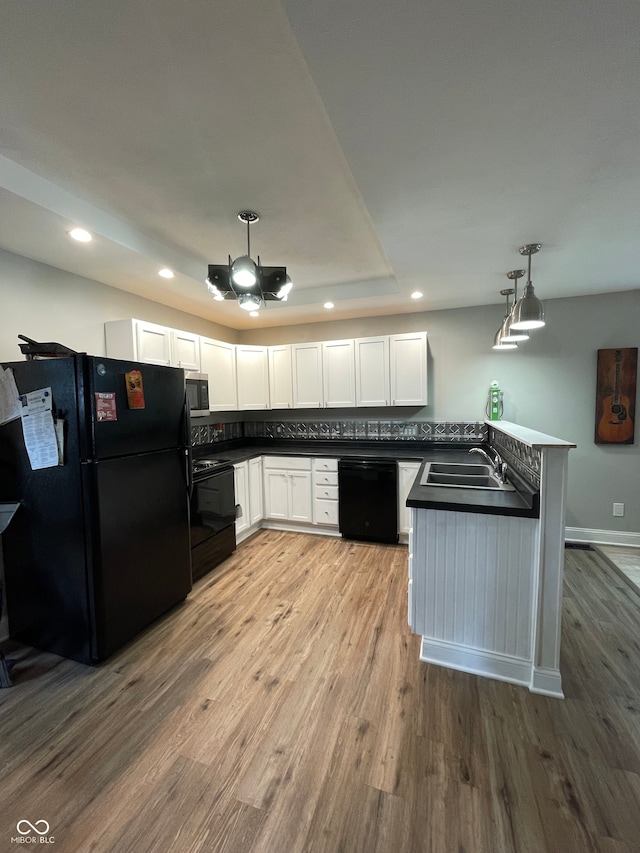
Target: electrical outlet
618	510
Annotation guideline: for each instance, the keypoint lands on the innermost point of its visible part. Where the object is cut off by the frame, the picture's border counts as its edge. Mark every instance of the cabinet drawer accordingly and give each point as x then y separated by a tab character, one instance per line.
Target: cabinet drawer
287	463
325	478
328	493
326	512
325	464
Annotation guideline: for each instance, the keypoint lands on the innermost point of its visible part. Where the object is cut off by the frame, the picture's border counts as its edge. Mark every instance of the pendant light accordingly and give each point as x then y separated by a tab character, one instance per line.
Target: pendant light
498	343
528	312
249	283
509	334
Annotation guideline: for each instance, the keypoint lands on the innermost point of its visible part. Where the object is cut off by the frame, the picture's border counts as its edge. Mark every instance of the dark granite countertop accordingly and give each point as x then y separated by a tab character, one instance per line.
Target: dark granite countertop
524	502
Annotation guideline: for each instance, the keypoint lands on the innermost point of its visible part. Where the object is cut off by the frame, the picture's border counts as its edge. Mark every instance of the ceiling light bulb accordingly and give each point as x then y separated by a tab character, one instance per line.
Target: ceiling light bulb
165	272
328	305
249	301
244	271
81	235
416	294
285	290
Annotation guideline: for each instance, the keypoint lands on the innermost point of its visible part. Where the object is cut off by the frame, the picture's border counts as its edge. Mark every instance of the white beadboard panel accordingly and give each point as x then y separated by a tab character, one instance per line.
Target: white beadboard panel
473	581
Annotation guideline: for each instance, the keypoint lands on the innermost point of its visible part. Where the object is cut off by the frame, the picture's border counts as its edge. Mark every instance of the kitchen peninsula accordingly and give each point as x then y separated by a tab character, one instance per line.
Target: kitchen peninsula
486	568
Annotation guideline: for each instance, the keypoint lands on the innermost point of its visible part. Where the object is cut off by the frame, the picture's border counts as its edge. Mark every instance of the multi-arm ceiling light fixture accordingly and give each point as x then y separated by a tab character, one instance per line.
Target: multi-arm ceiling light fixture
250	283
525	313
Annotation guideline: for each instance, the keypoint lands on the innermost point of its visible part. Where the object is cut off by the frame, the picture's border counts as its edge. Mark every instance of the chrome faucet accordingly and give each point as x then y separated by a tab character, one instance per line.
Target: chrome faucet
497	463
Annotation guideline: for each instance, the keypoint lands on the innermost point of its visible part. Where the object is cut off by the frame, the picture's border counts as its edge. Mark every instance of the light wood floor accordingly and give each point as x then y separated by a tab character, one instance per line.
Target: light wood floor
625	560
282	708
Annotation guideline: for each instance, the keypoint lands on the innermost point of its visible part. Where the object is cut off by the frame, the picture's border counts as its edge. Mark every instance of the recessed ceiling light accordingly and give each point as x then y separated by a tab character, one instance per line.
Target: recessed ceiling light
328	305
81	235
165	272
416	295
254	313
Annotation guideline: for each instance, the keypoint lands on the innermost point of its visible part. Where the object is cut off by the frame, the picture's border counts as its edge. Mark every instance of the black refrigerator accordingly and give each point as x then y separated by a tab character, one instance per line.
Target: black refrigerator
99	546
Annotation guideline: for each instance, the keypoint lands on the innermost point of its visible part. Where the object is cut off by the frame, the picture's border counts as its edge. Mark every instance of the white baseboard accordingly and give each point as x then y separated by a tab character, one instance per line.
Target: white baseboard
493	665
477	661
293	527
546	681
602	537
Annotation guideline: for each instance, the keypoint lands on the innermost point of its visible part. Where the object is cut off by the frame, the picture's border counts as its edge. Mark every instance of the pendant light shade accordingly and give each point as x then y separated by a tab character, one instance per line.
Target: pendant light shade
500	342
528	312
508	333
249	301
244	271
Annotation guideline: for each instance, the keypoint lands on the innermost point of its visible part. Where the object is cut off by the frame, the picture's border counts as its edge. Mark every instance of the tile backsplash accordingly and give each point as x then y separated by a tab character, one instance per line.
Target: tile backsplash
524	459
212	433
470	432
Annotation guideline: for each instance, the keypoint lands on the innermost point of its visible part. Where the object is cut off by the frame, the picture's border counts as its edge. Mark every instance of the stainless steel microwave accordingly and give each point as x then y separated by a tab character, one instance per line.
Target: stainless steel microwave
197	393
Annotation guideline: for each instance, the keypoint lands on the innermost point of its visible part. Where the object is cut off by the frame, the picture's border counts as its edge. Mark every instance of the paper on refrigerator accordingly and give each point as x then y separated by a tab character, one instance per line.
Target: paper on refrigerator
10	405
38	429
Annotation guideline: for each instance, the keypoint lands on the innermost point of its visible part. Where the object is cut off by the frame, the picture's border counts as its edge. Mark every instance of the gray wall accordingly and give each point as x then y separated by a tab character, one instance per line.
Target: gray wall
549	382
46	304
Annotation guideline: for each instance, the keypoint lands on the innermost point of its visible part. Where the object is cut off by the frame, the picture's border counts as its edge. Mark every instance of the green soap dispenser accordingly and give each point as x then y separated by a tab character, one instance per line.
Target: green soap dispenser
494	407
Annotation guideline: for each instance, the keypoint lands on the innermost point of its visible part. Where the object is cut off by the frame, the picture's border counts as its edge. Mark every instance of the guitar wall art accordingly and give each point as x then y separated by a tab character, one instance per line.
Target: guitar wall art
616	395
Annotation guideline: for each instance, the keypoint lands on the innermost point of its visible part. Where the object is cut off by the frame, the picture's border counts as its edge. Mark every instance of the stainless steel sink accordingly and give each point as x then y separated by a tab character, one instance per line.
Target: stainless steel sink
462	476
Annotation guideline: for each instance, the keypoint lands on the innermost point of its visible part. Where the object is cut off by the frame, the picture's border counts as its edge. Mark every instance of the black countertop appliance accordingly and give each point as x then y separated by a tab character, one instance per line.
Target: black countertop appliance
368	499
100	546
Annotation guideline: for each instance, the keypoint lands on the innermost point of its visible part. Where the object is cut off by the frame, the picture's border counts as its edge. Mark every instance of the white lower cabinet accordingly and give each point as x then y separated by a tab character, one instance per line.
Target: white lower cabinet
325	492
241	486
247	480
256	503
287	488
407	473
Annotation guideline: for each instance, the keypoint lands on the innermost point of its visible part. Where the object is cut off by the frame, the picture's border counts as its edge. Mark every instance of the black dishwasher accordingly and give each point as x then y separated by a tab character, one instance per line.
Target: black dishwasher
368	499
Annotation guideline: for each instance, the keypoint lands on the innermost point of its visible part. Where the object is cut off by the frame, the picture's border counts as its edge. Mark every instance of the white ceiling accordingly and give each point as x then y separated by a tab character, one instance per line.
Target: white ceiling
386	146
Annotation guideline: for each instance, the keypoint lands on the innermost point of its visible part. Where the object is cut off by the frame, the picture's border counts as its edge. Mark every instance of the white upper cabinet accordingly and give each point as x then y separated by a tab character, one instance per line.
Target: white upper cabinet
137	340
153	344
252	367
387	370
218	361
338	372
372	371
307	376
408	358
185	350
280	377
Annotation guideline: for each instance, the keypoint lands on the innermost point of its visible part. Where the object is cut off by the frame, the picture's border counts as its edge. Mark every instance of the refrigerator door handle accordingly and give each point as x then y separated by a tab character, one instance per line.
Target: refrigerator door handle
188	474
